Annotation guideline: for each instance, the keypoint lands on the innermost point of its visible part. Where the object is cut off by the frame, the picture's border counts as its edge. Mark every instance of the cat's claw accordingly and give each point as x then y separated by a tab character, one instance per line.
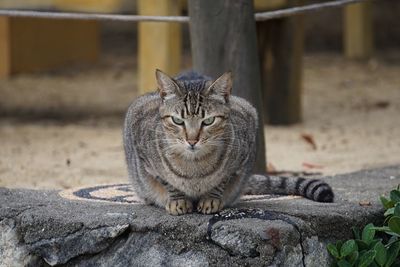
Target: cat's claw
209	205
179	206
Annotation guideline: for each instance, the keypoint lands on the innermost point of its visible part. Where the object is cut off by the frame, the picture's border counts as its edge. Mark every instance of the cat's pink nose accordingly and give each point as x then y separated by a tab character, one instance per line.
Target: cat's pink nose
192	142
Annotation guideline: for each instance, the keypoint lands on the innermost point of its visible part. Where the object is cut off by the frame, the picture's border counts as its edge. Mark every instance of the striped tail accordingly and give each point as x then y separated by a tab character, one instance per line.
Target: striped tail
313	189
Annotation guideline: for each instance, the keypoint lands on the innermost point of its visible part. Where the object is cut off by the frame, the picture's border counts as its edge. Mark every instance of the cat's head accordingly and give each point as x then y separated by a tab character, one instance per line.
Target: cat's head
194	113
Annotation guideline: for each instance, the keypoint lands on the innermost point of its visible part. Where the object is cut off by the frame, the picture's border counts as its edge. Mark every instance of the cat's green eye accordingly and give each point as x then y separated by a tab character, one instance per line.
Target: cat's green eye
177	120
209	121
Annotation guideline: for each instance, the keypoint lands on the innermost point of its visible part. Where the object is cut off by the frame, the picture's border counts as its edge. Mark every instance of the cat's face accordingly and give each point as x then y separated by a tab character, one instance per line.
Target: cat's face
194	119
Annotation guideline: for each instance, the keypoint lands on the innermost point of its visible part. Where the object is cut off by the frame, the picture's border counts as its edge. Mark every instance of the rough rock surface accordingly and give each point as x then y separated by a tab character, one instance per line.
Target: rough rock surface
40	228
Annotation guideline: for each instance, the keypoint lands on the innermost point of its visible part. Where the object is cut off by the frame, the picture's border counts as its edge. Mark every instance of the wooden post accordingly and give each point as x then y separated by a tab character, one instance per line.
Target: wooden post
5	63
106	6
223	37
263	5
33	44
159	43
43	44
281	44
358	32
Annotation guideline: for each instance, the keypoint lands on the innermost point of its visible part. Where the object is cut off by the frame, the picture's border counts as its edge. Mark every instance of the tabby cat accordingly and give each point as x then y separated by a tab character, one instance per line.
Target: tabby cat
192	145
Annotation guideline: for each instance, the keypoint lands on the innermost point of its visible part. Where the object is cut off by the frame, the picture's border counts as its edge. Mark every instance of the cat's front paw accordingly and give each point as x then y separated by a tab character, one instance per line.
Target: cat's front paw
179	206
209	205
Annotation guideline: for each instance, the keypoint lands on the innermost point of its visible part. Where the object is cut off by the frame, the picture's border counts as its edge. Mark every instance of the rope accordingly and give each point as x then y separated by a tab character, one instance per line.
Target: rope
90	16
180	19
302	9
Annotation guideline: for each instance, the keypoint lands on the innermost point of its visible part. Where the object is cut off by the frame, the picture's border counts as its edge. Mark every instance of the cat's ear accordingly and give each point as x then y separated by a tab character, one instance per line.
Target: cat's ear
167	86
222	86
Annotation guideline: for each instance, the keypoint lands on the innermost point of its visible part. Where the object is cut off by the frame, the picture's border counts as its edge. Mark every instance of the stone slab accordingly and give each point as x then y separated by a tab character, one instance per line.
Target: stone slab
46	228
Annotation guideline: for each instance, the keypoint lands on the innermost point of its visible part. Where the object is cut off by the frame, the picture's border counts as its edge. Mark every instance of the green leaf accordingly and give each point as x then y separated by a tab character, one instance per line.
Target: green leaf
374	242
333	250
339	244
392	253
392	233
348	247
386	202
368	233
356	232
394	224
395	196
387	230
367	258
397	209
382	229
381	253
386	220
392	240
353	257
343	263
362	245
389	212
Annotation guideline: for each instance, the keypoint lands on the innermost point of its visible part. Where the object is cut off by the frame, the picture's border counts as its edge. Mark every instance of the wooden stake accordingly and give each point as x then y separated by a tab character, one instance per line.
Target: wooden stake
32	44
5	63
159	43
223	37
358	32
281	43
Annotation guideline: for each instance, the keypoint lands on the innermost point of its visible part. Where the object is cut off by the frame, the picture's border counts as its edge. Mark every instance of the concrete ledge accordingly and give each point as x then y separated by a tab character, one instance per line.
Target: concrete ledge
42	228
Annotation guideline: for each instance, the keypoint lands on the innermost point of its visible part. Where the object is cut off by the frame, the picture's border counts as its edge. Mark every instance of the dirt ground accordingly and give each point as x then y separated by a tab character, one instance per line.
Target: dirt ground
63	129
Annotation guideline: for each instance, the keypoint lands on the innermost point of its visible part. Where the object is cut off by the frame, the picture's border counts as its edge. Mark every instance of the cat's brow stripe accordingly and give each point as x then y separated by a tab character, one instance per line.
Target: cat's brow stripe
186	104
199	103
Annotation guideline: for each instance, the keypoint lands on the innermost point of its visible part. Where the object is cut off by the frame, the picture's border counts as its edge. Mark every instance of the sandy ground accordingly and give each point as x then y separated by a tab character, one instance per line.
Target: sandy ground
63	129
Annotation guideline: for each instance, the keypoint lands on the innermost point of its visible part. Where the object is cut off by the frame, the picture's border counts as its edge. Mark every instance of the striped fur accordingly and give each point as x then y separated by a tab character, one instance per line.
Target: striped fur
192	146
314	189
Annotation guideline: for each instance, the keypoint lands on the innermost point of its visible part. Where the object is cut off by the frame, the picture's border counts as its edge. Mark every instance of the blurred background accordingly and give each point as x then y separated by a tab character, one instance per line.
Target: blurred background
65	85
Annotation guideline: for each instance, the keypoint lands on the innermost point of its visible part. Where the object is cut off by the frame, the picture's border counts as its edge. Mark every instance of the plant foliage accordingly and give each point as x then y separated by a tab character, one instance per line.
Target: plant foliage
373	246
